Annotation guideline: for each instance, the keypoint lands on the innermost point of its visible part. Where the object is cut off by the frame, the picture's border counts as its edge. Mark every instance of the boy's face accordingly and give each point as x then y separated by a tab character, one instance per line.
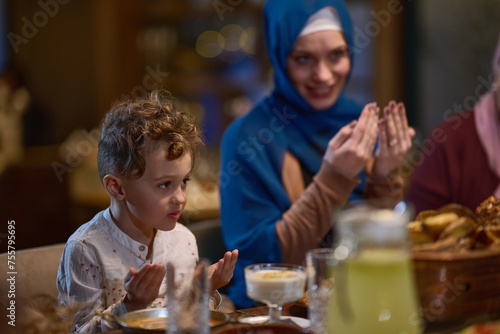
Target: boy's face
157	198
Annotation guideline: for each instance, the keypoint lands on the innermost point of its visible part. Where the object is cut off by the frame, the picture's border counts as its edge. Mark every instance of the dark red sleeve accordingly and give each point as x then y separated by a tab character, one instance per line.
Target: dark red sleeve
429	185
452	168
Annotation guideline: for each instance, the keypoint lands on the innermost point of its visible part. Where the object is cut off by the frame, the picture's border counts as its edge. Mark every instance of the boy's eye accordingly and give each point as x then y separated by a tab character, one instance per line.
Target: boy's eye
165	185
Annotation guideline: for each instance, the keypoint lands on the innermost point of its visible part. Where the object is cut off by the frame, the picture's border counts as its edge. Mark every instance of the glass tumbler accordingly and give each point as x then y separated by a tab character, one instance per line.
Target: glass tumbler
188	301
320	283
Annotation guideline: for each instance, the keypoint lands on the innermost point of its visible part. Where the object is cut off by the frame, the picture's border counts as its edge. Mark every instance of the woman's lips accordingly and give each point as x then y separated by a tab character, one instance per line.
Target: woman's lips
320	92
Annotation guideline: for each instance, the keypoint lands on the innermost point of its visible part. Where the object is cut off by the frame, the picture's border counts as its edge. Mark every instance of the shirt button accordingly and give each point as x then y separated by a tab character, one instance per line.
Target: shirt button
142	248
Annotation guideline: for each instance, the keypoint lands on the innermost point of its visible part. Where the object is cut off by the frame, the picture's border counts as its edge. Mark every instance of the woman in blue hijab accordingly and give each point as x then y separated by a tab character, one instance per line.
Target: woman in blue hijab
306	149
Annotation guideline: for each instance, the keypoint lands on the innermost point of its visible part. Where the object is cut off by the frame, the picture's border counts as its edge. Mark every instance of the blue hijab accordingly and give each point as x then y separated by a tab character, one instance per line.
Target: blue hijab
253	197
284	19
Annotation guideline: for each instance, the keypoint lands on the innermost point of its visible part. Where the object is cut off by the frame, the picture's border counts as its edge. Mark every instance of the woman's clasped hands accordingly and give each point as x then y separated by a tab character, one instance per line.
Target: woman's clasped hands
350	150
395	139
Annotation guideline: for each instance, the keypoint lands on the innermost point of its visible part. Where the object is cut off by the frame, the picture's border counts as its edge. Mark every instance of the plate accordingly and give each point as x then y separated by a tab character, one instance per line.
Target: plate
218	318
304	323
154	321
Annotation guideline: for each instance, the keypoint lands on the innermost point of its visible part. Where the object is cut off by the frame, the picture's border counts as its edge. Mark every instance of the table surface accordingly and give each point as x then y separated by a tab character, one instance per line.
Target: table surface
293	309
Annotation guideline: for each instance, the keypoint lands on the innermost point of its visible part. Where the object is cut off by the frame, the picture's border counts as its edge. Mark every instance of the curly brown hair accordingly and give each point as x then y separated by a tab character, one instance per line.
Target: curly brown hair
132	124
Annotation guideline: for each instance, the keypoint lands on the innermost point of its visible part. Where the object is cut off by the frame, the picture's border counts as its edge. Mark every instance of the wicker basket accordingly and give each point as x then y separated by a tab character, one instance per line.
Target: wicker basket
458	286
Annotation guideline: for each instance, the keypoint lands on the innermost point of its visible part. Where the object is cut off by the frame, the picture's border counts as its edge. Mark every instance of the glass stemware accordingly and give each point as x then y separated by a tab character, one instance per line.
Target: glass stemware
275	284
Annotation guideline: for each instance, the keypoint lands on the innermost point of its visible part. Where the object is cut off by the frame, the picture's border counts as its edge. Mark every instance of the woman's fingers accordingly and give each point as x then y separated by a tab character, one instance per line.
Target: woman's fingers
393	125
371	131
395	138
364	121
351	148
408	131
383	141
398	134
343	135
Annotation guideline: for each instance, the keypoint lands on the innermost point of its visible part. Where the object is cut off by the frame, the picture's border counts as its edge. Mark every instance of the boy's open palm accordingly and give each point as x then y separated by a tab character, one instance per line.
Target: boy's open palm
143	286
222	271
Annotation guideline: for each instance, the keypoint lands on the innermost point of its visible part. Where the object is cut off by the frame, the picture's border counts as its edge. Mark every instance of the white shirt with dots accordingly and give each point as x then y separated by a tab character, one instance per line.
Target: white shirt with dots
98	256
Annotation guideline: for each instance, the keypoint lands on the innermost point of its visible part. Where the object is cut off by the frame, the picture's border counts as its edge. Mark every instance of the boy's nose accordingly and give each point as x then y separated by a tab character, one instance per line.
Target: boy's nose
180	195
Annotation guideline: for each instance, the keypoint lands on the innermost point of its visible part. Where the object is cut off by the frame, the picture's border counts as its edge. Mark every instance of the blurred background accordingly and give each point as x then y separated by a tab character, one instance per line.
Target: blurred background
63	63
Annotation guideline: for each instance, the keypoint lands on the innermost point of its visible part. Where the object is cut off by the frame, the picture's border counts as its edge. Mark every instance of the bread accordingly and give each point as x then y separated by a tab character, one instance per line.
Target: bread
456	227
489	209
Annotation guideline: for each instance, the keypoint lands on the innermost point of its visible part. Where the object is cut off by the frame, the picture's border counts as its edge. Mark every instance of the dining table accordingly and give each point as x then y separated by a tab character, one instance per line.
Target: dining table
289	309
297	310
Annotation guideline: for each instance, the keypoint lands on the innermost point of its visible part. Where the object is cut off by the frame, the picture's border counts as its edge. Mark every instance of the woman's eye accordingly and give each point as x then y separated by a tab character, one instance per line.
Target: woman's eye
302	59
185	181
338	54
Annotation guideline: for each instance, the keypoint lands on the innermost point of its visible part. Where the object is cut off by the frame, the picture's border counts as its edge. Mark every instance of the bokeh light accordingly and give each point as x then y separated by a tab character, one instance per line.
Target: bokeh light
231	34
210	44
247	40
232	42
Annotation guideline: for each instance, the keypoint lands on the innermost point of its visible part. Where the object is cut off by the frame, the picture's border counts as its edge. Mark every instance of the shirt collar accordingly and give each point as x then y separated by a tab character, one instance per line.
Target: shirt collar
137	248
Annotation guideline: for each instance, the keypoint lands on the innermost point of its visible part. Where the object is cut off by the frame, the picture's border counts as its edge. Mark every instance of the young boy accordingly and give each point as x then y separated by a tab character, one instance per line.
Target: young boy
116	262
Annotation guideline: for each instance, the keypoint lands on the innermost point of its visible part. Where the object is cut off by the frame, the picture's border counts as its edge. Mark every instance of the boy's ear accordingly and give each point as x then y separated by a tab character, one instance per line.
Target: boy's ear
113	186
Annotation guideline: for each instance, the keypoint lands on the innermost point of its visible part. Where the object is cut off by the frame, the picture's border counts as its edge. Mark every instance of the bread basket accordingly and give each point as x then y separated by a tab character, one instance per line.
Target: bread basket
455	287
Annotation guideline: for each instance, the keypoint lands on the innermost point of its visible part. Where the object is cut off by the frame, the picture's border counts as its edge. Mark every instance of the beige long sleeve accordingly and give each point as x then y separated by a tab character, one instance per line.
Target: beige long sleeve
309	219
388	187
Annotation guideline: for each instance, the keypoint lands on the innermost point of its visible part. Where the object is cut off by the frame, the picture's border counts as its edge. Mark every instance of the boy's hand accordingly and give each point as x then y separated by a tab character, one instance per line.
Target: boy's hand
222	271
142	286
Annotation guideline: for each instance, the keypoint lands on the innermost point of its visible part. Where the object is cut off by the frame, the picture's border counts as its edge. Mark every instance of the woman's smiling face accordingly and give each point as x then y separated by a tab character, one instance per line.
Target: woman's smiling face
318	66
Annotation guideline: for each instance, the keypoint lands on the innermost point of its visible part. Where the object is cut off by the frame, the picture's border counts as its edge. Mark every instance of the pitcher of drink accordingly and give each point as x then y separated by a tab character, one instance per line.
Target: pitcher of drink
374	288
